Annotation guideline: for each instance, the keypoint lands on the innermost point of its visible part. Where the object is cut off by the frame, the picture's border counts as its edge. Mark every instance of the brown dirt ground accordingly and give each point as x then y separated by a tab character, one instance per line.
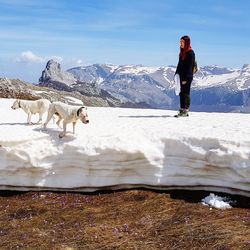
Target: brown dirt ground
128	219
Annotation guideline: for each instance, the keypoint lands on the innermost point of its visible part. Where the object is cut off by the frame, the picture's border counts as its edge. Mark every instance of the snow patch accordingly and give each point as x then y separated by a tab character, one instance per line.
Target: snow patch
216	201
214	80
74	100
137	70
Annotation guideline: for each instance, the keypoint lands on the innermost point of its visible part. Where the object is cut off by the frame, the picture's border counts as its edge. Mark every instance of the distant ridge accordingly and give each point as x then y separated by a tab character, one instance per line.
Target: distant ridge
214	88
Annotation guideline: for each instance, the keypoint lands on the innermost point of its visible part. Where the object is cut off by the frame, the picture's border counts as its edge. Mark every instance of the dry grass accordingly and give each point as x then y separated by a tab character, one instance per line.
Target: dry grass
134	219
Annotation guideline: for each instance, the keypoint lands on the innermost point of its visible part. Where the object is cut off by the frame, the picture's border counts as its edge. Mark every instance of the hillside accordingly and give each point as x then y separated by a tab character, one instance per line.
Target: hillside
15	88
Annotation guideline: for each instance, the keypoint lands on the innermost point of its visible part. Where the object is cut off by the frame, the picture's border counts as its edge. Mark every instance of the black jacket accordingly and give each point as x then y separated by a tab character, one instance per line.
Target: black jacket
185	67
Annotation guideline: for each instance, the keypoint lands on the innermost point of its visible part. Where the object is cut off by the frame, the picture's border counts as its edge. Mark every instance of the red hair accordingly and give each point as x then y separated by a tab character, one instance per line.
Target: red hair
187	47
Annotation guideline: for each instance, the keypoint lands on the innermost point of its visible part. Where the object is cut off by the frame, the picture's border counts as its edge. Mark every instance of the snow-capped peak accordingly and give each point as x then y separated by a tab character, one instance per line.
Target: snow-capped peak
216	70
246	69
136	69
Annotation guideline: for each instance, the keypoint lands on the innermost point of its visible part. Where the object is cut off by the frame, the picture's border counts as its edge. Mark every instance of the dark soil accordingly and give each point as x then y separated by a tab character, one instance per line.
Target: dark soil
129	219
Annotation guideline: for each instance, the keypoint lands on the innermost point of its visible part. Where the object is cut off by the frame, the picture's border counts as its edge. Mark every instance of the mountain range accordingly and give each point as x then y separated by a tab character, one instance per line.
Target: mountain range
214	88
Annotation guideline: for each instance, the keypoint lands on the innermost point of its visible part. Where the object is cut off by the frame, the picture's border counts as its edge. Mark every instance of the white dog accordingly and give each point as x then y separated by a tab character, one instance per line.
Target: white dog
32	107
68	114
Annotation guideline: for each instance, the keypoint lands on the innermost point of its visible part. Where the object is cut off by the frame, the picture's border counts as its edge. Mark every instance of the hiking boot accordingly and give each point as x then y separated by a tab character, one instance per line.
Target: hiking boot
179	113
185	112
182	113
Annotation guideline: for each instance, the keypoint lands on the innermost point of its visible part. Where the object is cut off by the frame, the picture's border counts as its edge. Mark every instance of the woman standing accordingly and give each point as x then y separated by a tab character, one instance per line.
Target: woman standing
185	71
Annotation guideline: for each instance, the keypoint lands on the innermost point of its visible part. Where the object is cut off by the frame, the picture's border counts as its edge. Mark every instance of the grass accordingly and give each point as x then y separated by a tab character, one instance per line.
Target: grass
129	219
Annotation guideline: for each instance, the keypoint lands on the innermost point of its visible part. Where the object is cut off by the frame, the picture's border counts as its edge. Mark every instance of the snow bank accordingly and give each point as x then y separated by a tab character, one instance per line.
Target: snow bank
127	147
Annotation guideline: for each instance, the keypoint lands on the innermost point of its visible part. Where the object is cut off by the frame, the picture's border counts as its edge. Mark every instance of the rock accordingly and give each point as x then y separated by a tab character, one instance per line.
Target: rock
54	73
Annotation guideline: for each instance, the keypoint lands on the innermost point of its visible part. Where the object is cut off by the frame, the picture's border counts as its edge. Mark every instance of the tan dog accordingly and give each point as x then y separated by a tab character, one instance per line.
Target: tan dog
32	107
68	114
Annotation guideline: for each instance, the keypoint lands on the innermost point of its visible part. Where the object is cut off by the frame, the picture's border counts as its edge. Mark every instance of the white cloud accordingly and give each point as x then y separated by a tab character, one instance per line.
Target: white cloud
79	62
74	62
29	56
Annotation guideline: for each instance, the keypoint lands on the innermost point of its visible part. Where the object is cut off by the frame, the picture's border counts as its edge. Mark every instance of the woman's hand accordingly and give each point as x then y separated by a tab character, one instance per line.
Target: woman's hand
184	82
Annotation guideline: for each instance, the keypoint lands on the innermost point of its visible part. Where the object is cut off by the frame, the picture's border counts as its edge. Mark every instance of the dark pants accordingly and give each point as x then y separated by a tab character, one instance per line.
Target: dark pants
185	95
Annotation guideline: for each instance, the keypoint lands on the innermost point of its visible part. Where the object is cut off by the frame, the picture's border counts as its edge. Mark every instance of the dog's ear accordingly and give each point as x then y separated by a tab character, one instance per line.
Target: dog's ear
79	110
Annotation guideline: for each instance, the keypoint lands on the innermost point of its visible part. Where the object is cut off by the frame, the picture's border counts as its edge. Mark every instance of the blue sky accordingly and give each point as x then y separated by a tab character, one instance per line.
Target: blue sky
147	32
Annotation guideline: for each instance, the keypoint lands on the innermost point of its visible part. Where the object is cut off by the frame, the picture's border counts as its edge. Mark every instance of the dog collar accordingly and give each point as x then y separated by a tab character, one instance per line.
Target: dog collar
19	104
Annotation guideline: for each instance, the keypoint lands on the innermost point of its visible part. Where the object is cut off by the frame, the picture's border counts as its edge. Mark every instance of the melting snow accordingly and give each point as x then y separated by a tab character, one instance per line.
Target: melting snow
216	201
127	147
